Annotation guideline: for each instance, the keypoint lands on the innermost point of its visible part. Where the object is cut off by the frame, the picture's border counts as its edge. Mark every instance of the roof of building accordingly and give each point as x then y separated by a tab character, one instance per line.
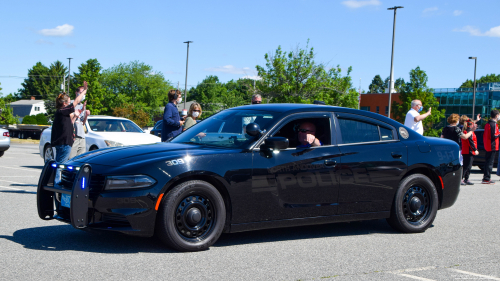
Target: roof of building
26	102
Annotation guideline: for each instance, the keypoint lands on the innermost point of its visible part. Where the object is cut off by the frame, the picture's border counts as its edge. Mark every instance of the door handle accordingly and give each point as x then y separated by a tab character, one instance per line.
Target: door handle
329	162
397	155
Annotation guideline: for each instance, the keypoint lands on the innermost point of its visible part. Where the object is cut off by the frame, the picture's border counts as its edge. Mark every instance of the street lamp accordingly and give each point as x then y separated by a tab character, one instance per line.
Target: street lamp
186	85
69	73
474	90
391	82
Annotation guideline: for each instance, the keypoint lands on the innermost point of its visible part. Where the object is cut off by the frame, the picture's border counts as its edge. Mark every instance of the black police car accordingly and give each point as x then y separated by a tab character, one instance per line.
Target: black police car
241	170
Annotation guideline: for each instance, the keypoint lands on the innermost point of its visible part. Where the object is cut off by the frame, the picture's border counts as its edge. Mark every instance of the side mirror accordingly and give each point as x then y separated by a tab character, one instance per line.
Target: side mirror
253	129
276	143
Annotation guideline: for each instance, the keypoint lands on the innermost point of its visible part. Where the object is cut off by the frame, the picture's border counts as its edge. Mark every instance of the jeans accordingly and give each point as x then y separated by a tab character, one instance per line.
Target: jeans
489	159
468	159
62	153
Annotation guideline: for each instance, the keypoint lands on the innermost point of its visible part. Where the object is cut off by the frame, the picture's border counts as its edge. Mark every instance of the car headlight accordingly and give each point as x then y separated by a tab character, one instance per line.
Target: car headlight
126	182
113	143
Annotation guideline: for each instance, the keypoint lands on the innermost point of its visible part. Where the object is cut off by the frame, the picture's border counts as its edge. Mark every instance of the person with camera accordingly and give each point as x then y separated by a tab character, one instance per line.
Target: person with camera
172	123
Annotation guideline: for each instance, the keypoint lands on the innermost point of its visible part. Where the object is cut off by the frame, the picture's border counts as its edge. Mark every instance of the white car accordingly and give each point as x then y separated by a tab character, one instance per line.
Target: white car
4	141
101	132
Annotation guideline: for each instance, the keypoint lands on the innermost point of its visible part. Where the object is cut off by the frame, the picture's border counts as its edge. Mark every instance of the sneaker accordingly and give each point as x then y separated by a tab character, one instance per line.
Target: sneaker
462	182
468	182
488	182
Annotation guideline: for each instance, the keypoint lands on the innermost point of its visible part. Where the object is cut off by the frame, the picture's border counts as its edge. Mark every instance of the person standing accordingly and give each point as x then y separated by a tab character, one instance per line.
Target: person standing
192	115
490	139
454	133
469	149
172	123
413	118
61	136
80	118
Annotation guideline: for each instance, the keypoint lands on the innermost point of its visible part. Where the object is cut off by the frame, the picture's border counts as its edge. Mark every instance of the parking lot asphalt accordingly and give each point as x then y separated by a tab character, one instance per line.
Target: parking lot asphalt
463	243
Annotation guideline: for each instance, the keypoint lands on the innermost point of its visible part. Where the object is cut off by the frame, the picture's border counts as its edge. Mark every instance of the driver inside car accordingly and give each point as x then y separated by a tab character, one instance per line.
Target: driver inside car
306	134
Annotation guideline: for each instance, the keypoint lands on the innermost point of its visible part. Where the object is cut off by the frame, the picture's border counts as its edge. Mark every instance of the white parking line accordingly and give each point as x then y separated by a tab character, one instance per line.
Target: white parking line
12	188
23	183
474	274
19	177
415	277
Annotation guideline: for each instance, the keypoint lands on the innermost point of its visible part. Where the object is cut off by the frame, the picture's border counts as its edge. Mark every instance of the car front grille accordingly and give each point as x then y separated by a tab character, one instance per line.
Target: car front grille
97	181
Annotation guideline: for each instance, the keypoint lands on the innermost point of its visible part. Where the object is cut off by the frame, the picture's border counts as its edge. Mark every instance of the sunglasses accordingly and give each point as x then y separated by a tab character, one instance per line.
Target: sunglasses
305	131
196	111
257	102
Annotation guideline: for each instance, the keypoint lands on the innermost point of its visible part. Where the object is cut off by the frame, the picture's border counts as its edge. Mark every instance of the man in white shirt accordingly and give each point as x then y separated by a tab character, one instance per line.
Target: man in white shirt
414	119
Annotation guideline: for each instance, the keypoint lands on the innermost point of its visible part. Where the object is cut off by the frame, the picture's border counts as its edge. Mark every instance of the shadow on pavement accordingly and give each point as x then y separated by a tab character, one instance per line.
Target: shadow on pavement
66	238
33	167
18	191
305	232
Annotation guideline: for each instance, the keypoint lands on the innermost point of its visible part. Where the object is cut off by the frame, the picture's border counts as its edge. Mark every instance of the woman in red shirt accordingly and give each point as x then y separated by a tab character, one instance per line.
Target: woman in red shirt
469	149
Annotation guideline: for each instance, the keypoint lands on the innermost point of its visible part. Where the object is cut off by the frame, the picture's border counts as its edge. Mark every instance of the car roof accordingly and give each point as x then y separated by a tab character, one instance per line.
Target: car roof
106	117
289	108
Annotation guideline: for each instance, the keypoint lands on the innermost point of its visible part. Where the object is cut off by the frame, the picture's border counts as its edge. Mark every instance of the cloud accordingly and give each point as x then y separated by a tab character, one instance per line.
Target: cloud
60	31
43	42
69	45
360	3
493	32
430	10
253	77
230	69
457	13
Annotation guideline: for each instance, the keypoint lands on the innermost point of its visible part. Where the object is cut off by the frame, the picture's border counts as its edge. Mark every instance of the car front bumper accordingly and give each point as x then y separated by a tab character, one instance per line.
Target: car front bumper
131	212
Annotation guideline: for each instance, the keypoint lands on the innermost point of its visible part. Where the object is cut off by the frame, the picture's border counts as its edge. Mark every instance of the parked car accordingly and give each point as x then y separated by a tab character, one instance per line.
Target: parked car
101	132
217	177
4	141
479	159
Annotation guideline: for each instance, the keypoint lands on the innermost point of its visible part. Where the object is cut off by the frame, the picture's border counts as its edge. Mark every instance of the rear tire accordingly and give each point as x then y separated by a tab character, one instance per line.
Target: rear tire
1	153
191	216
415	204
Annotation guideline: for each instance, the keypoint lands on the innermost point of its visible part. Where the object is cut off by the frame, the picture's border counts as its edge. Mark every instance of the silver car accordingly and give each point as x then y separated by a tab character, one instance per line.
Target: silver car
4	141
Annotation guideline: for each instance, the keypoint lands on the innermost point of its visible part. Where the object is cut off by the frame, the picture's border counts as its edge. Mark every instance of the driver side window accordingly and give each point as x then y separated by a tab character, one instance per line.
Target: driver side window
291	129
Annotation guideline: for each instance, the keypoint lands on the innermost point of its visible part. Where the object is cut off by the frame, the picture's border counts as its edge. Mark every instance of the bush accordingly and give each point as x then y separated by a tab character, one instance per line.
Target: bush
29	119
41	119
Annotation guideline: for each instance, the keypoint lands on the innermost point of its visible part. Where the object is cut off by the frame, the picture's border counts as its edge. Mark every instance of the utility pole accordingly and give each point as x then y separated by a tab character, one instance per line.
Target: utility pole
69	74
474	90
391	82
186	85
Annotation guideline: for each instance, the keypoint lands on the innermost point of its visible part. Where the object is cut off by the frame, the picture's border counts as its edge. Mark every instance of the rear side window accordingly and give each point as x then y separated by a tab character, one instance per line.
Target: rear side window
386	134
354	131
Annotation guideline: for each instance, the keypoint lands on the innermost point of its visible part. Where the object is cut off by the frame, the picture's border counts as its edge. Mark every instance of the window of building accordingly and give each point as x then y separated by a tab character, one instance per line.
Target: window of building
37	108
386	110
378	110
365	108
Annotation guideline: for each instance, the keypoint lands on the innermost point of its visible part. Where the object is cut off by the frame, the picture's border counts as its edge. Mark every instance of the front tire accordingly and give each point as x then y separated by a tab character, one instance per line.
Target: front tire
415	204
48	153
191	216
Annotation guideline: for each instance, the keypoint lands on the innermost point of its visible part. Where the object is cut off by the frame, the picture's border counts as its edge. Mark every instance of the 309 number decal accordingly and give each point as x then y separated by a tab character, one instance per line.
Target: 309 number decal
175	162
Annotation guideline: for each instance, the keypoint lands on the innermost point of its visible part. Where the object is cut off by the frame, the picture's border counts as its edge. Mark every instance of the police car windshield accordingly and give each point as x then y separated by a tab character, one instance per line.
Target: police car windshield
227	128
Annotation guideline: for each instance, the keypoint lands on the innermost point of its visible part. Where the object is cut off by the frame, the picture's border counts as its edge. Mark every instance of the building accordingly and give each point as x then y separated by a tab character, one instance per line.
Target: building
378	103
22	108
459	100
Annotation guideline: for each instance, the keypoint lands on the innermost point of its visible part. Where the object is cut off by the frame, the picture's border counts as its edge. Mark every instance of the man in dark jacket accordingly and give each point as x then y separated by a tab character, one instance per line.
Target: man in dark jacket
490	139
172	124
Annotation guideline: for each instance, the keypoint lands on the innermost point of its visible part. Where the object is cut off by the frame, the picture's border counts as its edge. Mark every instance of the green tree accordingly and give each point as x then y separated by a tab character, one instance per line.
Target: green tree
295	77
399	84
6	112
489	78
56	72
377	85
417	88
134	83
90	71
43	82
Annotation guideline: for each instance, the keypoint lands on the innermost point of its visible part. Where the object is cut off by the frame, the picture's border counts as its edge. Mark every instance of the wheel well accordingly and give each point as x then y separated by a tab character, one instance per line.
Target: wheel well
45	148
217	184
92	147
431	175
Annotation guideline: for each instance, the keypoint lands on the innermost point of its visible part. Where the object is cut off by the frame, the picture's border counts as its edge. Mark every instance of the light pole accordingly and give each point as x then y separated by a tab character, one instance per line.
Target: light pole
474	90
186	85
69	73
391	82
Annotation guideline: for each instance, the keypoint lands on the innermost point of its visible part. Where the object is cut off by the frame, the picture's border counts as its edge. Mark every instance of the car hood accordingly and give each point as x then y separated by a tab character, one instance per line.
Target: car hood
127	138
142	154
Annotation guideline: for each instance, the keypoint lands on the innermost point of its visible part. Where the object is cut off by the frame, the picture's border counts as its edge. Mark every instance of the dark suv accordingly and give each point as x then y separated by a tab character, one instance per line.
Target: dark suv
479	159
